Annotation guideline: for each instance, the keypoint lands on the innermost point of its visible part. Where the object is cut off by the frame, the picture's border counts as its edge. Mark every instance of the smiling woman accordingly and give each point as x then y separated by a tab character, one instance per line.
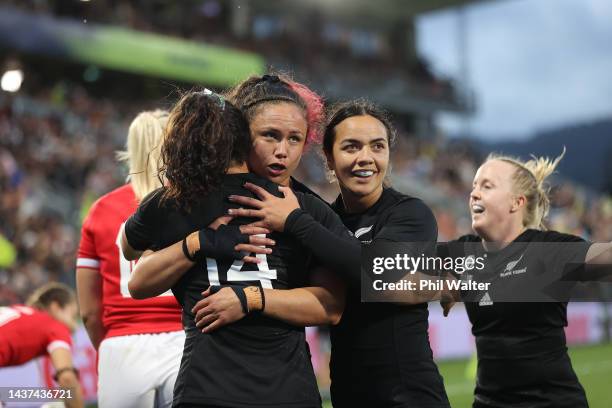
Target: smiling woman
356	146
380	351
521	346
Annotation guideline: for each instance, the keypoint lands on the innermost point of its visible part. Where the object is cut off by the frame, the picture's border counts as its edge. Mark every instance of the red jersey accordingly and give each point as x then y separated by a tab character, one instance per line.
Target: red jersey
27	333
100	249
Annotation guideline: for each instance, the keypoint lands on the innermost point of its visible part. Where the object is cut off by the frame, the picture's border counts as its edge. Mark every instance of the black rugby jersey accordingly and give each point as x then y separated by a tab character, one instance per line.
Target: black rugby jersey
256	361
521	347
381	355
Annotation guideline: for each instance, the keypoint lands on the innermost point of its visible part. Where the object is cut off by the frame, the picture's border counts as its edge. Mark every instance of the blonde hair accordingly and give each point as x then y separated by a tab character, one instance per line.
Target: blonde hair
529	179
49	293
143	150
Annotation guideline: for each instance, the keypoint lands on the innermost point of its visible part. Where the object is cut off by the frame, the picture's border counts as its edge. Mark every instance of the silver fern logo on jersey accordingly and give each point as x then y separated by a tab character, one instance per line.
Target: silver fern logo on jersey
510	266
362	231
509	270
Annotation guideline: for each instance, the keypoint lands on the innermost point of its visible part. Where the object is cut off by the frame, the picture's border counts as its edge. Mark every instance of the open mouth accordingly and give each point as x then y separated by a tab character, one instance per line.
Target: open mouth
477	209
362	173
276	168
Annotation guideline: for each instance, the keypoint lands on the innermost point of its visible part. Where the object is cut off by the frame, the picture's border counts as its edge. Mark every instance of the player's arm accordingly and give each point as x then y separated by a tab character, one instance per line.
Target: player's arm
129	253
89	292
158	271
66	376
311	306
316	226
412	222
600	255
448	296
154	273
319	229
597	258
89	280
142	229
308	306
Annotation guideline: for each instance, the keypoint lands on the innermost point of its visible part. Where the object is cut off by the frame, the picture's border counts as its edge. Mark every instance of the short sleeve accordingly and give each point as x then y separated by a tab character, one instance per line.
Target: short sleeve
576	247
565	254
141	227
87	255
409	221
58	337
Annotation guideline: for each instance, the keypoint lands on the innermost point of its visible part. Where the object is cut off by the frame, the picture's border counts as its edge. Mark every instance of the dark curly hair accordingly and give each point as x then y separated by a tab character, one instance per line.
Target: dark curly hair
204	137
252	93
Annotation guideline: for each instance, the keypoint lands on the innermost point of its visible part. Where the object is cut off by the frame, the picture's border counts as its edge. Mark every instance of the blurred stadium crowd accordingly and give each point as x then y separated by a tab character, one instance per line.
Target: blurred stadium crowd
57	155
333	55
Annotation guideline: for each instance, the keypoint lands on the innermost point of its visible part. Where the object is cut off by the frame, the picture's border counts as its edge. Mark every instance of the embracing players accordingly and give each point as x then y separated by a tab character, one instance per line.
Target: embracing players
259	361
381	355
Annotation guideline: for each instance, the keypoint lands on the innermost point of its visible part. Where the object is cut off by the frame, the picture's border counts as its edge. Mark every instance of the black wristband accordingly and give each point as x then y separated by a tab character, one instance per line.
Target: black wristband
263	300
220	243
62	370
239	291
186	251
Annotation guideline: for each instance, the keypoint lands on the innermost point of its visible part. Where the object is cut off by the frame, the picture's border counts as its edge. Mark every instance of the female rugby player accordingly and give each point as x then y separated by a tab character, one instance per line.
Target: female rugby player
42	327
258	361
126	332
380	351
521	346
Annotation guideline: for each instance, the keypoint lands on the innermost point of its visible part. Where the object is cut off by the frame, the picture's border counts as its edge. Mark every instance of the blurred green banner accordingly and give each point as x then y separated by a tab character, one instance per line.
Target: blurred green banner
127	50
162	56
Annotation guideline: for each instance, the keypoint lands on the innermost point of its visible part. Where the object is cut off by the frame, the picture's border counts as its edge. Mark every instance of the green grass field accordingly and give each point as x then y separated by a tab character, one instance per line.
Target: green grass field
593	365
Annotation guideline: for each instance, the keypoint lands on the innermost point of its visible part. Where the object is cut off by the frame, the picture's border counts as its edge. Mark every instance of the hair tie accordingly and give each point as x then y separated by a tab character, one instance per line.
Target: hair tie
270	78
219	99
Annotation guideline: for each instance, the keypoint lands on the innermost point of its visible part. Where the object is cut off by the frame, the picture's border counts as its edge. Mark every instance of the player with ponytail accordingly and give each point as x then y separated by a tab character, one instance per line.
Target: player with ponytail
530	179
519	330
